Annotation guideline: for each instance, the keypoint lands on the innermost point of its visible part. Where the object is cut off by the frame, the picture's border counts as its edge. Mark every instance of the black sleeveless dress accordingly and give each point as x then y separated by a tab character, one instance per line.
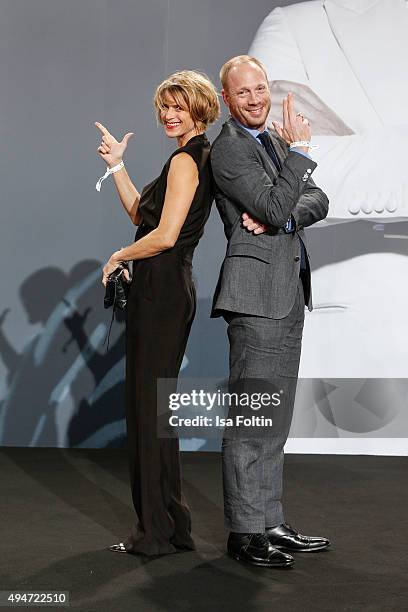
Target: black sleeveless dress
160	311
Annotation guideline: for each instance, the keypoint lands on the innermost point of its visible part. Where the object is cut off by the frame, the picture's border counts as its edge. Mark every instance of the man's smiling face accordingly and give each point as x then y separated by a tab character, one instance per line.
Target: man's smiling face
247	95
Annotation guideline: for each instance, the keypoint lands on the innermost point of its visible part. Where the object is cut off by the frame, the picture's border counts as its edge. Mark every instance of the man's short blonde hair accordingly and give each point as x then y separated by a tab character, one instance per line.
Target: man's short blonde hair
193	91
236	61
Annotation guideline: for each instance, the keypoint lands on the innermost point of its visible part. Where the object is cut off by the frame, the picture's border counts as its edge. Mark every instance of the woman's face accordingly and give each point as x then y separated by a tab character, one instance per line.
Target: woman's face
176	120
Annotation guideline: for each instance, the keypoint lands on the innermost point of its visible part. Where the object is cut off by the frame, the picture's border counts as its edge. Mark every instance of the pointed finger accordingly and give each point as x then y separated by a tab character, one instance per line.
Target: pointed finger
285	113
291	108
102	128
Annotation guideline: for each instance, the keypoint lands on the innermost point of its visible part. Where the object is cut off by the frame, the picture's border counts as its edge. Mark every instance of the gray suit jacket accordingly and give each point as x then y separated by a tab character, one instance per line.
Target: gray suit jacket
260	273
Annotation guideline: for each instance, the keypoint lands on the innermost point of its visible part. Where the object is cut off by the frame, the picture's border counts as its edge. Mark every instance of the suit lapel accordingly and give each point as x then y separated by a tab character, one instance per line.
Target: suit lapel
266	160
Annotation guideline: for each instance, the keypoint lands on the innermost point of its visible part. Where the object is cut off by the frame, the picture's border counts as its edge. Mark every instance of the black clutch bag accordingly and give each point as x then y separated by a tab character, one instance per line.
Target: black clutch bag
117	289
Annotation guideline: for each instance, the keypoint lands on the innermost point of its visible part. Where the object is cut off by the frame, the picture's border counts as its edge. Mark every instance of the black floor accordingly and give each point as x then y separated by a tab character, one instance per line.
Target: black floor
60	509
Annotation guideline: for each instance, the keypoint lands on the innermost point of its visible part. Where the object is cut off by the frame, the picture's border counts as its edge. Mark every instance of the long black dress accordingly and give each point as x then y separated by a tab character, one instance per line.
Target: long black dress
160	311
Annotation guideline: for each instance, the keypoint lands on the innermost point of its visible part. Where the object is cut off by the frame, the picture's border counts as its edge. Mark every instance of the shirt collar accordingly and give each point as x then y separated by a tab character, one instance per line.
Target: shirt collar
254	133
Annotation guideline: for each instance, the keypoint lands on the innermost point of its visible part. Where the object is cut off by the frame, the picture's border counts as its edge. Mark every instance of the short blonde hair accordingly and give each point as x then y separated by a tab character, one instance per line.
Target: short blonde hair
236	61
191	90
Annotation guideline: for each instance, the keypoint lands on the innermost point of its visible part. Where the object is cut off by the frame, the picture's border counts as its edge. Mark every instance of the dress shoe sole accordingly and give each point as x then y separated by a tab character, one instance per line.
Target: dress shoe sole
301	550
237	557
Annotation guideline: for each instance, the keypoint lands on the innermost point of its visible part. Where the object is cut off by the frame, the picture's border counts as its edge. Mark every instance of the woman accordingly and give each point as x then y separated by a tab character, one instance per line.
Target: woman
171	213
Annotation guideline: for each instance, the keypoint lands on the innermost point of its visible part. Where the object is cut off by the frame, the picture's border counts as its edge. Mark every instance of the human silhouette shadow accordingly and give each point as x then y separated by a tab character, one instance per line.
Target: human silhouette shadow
32	376
52	366
99	418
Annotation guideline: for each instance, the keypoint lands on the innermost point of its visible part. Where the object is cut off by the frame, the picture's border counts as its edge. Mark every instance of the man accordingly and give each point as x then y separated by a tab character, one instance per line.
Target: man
262	290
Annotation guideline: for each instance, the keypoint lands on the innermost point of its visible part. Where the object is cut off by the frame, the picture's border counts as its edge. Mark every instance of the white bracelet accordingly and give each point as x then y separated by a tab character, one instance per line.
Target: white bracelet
302	143
107	173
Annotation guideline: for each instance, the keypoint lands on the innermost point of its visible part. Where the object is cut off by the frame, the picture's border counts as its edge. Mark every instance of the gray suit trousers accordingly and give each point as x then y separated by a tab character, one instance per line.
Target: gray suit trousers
261	349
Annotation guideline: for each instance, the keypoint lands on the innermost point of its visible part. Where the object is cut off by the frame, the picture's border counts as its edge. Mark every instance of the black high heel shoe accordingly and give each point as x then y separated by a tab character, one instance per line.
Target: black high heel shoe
118	548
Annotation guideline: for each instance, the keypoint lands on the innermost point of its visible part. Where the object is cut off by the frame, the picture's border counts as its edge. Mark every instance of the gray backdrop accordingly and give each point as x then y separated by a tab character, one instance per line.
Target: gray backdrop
63	66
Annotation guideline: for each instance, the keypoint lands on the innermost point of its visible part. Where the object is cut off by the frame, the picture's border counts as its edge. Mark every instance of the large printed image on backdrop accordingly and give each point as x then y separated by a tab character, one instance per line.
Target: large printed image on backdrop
59	385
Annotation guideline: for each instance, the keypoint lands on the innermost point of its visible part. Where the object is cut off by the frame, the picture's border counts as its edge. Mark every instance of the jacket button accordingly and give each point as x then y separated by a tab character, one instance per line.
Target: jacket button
297	258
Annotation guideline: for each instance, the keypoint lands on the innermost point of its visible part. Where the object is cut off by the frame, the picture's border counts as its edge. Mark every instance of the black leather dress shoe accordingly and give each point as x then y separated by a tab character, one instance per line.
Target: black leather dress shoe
254	548
118	547
285	537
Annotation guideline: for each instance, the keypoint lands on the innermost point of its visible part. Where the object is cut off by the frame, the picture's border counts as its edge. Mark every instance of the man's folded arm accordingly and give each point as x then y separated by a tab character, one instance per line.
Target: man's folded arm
242	178
312	206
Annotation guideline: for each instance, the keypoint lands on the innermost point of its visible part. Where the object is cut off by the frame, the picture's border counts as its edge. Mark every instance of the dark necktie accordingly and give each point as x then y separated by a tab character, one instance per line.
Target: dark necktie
267	143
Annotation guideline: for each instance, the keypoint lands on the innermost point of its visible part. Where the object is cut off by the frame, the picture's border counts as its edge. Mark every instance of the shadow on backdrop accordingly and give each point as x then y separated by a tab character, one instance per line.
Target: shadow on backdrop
63	363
